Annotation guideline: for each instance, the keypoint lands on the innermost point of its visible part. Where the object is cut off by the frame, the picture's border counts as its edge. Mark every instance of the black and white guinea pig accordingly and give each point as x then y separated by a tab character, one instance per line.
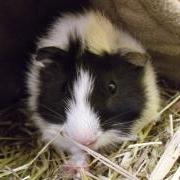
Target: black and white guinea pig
91	80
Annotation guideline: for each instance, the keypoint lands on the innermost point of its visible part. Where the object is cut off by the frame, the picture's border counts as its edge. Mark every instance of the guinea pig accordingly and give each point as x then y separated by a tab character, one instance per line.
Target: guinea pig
92	81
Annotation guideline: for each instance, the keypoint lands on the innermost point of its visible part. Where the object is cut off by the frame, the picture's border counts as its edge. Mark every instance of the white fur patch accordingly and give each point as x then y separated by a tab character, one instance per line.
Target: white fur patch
82	122
94	30
111	137
66	26
33	84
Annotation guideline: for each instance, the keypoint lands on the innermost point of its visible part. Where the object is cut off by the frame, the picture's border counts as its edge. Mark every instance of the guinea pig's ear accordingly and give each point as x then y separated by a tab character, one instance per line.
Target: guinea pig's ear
48	54
138	59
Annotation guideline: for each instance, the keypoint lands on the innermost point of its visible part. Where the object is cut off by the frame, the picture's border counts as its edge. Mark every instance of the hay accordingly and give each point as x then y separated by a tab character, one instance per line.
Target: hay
23	156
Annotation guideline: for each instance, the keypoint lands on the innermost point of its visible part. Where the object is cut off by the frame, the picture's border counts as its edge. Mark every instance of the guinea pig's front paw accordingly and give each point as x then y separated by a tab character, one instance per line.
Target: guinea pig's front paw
74	166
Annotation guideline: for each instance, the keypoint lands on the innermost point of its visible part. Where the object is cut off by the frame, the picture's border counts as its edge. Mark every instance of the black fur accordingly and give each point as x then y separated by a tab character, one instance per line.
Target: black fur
128	102
123	106
55	82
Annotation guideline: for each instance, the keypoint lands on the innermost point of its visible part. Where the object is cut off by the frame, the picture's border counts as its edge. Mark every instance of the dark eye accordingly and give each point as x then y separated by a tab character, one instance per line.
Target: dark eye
112	87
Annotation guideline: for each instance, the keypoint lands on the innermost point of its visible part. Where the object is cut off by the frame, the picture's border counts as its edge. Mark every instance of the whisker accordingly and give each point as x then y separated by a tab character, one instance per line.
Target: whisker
117	116
117	124
52	115
52	111
122	123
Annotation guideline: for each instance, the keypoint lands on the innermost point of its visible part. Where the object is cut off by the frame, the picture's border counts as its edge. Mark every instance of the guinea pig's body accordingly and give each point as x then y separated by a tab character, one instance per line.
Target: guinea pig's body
91	81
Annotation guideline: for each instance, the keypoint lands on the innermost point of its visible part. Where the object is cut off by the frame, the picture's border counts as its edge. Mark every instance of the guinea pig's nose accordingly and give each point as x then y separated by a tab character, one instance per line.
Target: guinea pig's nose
88	142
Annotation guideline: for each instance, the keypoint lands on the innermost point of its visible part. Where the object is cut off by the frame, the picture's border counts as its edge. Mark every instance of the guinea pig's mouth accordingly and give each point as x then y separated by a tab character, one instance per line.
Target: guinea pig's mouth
104	139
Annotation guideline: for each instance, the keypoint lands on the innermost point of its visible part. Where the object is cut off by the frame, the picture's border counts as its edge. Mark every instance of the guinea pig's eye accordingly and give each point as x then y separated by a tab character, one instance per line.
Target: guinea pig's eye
112	87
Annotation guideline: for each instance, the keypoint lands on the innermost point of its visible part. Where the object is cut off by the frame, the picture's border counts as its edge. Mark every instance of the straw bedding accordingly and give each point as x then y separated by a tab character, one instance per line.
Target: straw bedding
24	156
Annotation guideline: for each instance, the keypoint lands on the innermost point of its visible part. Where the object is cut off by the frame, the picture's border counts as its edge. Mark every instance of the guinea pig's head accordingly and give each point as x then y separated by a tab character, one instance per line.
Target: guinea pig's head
96	98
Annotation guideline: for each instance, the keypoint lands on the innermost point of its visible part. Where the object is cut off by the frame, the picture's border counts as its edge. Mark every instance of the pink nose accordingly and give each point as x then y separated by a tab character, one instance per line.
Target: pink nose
87	142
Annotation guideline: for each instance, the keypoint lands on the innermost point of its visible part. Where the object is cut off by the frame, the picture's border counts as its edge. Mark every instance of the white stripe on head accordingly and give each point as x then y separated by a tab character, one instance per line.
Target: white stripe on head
82	122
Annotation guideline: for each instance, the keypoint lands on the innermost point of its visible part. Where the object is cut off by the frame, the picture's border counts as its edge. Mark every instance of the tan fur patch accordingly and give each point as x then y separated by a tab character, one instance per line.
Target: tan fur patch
102	36
152	105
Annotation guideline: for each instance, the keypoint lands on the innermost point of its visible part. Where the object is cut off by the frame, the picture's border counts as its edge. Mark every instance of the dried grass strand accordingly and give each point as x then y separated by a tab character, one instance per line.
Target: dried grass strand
23	167
144	144
176	175
169	157
170	104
